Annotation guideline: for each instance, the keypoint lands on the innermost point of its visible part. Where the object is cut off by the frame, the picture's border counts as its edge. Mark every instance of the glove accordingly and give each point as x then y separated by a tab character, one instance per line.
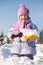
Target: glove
18	35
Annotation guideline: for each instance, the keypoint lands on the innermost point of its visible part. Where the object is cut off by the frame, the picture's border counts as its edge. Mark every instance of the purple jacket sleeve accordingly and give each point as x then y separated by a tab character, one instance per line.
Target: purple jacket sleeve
33	26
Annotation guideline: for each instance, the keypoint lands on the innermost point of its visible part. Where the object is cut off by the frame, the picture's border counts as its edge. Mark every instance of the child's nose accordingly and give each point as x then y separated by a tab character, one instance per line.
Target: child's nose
23	17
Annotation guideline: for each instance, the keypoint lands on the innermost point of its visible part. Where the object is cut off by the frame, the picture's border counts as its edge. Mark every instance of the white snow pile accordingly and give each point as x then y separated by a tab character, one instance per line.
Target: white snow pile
29	32
6	58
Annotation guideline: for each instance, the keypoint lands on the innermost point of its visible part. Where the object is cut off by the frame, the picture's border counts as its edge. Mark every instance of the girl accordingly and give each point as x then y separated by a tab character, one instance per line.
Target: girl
28	47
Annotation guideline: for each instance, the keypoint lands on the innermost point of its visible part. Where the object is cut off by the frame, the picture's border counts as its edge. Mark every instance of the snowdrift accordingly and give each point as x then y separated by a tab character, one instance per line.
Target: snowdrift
6	58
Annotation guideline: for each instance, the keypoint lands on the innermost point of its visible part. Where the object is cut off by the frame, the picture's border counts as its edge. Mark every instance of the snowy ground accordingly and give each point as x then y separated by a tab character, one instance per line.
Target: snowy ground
6	58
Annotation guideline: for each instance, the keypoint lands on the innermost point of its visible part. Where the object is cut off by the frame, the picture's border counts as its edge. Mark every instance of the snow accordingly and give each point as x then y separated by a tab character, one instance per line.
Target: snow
6	58
29	32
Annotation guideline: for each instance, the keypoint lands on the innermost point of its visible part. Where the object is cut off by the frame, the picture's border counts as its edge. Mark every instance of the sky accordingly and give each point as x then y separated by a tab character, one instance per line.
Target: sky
9	9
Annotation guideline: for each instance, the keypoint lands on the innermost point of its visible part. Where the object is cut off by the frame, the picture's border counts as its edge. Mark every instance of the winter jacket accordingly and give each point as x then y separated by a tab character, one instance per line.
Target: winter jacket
26	47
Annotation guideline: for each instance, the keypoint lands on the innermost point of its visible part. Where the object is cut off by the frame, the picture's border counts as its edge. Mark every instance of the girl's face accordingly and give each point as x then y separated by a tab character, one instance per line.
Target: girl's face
23	17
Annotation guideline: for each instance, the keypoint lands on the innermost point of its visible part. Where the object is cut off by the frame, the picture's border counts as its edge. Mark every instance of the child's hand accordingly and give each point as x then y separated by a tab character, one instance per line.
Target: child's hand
20	34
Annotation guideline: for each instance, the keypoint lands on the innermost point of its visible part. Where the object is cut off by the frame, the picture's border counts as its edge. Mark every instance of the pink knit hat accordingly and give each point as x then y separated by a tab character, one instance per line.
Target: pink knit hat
23	10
